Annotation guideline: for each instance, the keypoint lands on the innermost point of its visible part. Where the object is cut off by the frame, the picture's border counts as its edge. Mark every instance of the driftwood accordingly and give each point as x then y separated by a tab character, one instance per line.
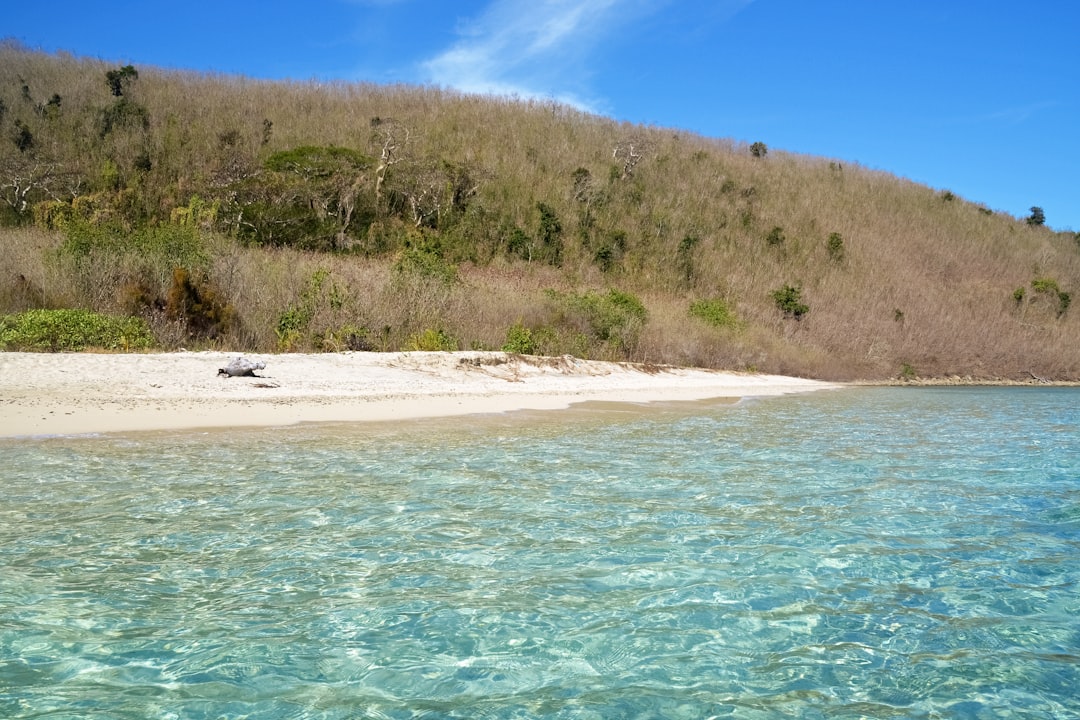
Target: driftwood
241	367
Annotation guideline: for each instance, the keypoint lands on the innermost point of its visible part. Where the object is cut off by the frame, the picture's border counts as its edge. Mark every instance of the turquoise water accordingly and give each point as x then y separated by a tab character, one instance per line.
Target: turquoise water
867	553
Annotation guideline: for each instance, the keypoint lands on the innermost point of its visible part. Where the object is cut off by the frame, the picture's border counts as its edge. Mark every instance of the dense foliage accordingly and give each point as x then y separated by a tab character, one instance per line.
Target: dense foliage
304	216
66	330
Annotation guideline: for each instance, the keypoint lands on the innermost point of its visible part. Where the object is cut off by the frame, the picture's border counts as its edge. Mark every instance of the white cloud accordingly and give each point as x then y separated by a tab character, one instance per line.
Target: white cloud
531	48
544	49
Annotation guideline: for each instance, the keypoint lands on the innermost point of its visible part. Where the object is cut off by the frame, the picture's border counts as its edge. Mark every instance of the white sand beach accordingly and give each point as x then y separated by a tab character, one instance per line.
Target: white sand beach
63	394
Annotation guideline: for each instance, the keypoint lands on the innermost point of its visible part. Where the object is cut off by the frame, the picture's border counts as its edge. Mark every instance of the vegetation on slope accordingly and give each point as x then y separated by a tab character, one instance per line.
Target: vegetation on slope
228	212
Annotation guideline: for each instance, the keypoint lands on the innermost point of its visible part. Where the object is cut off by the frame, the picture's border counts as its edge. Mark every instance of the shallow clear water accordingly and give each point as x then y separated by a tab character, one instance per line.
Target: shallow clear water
877	553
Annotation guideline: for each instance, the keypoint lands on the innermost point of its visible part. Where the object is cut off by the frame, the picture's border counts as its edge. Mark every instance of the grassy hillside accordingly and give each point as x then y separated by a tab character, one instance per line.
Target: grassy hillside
271	216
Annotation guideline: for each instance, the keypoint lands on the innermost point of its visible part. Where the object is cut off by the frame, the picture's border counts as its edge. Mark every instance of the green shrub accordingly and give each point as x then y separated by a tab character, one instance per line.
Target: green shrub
550	235
789	300
291	325
72	330
610	253
775	236
519	244
346	337
321	293
158	248
432	340
614	317
1048	286
759	149
685	256
835	245
124	113
520	340
424	261
1045	285
715	312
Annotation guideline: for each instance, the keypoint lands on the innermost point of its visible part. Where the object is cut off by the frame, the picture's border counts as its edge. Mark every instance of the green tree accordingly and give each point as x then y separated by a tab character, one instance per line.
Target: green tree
1037	217
789	300
310	197
120	79
759	149
550	235
22	137
685	256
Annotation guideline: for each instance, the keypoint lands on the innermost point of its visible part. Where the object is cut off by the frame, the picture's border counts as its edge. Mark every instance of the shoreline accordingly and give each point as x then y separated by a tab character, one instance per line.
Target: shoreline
45	394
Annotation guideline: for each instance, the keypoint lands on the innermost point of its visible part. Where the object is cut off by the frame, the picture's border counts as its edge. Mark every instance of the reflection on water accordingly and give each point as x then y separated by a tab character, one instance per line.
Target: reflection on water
877	553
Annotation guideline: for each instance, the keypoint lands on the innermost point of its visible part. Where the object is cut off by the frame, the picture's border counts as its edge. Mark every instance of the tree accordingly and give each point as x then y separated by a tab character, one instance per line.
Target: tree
393	137
309	196
788	300
759	149
118	80
550	235
1037	217
26	179
630	152
22	137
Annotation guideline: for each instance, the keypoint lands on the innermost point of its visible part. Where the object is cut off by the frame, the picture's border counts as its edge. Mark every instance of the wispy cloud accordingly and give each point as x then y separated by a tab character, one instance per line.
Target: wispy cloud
533	48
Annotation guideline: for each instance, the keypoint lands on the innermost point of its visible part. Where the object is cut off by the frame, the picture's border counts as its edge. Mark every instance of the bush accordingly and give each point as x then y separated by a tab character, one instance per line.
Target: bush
613	317
321	296
124	113
1037	217
1045	285
424	261
431	340
1064	299
759	150
685	256
194	302
346	337
775	236
715	312
520	340
72	330
1049	286
161	248
836	247
789	300
550	235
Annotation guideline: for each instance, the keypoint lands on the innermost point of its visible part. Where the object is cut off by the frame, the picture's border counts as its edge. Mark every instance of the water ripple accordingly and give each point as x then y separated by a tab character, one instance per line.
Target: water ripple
870	554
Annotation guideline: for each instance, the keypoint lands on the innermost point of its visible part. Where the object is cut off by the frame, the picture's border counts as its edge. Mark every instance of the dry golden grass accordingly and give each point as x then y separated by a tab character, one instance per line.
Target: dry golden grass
926	282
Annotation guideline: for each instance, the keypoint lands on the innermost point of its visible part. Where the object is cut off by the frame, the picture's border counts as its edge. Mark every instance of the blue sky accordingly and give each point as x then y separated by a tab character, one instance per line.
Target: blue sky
979	97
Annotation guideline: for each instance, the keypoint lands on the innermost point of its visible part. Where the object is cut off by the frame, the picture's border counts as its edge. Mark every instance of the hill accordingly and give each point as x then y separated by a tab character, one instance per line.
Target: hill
242	214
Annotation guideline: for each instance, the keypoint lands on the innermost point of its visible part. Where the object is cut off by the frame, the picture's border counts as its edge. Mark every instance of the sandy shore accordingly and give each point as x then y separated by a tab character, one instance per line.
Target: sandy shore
62	394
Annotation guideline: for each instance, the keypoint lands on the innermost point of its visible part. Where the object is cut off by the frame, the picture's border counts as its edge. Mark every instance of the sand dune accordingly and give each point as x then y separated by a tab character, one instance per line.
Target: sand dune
59	394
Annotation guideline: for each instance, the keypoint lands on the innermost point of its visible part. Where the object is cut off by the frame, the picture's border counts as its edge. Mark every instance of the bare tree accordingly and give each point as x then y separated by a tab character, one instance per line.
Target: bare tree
630	152
25	179
392	137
